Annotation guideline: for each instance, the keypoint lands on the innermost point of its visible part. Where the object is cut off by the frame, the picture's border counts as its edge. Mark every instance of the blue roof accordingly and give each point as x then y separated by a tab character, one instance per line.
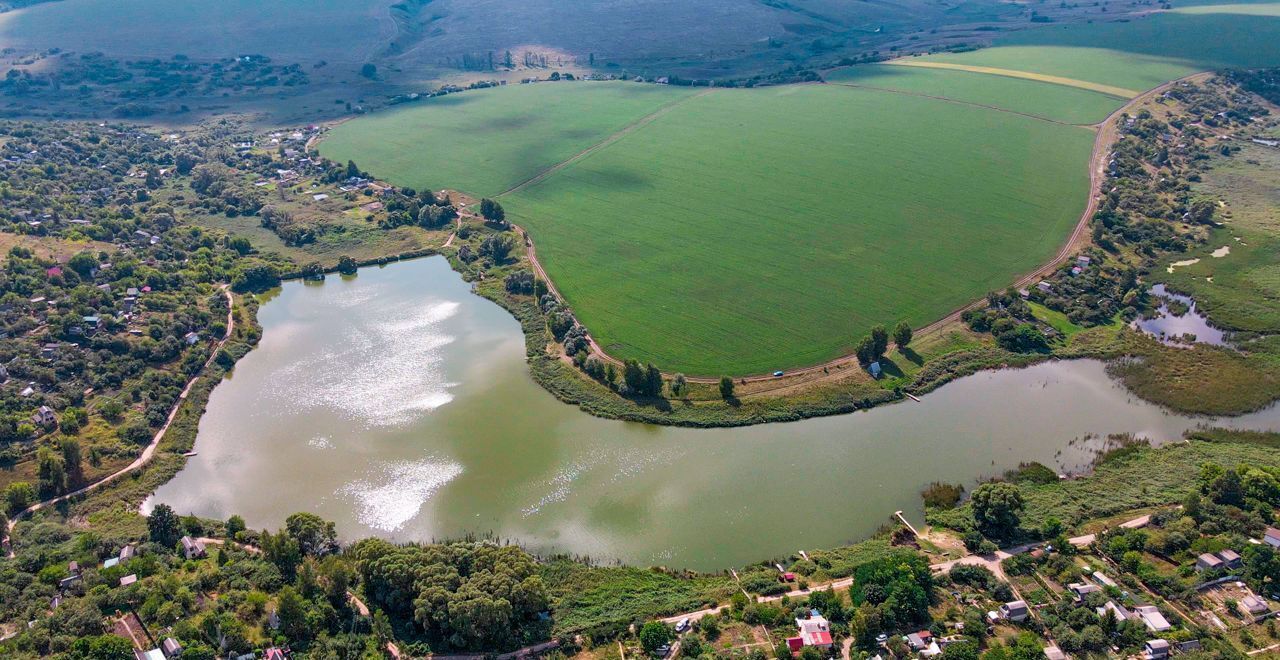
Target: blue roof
111	562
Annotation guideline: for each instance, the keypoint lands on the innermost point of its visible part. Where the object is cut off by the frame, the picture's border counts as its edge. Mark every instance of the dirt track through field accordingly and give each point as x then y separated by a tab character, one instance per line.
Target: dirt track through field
618	135
1025	75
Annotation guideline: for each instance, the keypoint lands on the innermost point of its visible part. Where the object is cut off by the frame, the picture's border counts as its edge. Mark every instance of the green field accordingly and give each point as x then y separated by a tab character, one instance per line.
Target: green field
686	245
1056	102
682	243
1141	53
486	142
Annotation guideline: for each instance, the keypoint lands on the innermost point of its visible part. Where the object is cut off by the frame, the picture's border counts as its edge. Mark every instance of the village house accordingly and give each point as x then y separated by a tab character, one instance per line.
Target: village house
1014	610
1120	612
923	643
127	552
814	631
1253	606
191	338
171	648
128	579
1152	618
1156	649
1054	653
44	416
1272	537
69	581
153	654
1188	646
1225	559
1082	589
192	548
1102	579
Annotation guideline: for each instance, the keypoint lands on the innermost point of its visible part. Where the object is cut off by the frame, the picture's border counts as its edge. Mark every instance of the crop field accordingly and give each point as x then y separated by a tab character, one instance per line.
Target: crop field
1141	53
489	141
686	245
1057	102
678	241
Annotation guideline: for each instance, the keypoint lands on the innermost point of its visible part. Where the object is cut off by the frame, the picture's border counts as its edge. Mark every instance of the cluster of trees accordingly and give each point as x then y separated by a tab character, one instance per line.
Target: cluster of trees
492	211
873	347
1009	319
898	589
641	380
135	88
464	596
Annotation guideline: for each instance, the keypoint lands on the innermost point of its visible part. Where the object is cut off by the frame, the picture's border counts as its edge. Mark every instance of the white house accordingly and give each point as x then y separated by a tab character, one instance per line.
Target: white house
44	416
1014	610
192	548
1152	617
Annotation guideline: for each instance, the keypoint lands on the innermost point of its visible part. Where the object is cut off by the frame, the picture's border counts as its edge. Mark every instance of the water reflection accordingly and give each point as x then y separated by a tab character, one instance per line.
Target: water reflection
1181	326
398	404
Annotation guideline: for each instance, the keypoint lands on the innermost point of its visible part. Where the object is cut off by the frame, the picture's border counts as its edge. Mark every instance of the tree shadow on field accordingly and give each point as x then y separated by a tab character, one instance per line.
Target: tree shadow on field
890	368
911	356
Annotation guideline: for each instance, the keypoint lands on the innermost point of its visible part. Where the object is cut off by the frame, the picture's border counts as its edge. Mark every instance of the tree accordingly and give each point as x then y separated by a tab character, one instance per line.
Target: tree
652	381
18	496
163	526
497	248
235	525
996	507
83	263
866	351
352	171
966	650
879	341
51	471
101	647
633	375
902	334
292	611
492	211
369	70
71	460
315	535
653	635
679	385
726	388
347	265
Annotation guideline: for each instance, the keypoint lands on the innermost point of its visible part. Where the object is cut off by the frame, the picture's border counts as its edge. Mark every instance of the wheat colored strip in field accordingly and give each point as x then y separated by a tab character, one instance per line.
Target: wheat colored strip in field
1120	92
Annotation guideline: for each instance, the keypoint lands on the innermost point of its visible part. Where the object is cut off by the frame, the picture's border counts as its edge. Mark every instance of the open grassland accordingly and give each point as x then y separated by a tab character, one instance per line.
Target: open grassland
307	30
1056	102
1134	479
687	245
488	141
1140	53
1240	288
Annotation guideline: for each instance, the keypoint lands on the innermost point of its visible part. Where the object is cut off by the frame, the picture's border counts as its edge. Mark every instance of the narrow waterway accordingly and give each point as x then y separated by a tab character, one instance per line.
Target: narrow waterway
397	404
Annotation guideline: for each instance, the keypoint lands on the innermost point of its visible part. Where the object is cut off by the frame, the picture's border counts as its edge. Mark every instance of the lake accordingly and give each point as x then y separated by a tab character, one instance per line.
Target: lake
398	404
